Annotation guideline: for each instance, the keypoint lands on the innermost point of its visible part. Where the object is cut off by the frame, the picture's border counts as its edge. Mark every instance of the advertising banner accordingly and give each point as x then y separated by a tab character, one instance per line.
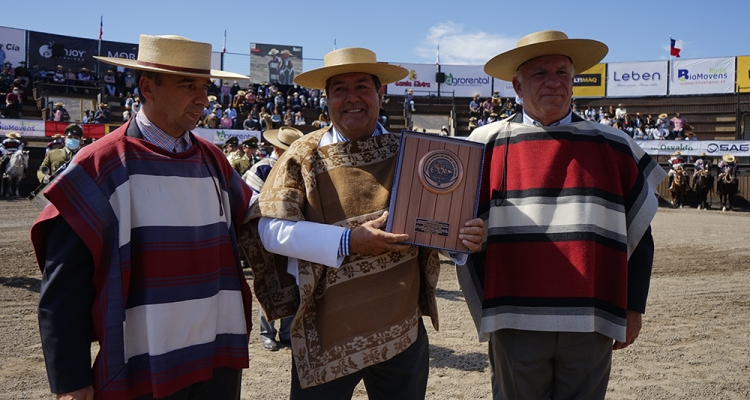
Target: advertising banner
421	80
468	80
12	46
590	83
275	63
702	76
24	127
743	74
48	51
712	148
633	79
219	136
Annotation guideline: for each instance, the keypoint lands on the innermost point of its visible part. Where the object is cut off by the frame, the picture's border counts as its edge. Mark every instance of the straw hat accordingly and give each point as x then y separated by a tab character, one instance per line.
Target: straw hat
584	53
273	52
241	92
702	154
13	135
282	137
725	157
171	54
677	153
59	104
663	115
211	97
352	59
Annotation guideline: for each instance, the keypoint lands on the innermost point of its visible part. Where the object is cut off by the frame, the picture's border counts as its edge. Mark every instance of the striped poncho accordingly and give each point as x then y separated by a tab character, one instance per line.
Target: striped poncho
564	209
171	301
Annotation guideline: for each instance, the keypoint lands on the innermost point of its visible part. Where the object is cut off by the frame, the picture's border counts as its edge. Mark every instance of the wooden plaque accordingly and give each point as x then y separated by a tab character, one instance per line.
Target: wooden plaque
435	190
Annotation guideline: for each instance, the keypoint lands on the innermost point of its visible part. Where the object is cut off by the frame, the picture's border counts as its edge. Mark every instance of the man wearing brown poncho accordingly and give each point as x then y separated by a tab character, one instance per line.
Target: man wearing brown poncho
361	294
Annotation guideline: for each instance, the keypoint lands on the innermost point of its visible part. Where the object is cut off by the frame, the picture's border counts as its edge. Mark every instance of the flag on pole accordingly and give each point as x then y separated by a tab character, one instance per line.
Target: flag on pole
437	61
224	49
101	27
334	43
674	47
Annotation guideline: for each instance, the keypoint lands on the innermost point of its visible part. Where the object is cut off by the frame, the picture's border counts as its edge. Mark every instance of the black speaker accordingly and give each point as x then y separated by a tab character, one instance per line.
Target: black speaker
440	77
58	50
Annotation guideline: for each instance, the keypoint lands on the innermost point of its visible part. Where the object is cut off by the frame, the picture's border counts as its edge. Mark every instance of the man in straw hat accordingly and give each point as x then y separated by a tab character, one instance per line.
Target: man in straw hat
677	161
565	272
11	144
701	165
728	165
361	294
139	251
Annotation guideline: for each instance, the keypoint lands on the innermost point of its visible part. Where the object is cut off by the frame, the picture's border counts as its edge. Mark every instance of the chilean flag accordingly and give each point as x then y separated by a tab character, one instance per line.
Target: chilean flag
674	47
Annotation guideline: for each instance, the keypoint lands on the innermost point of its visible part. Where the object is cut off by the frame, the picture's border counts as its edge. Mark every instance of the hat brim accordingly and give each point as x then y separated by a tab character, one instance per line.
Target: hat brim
728	158
584	53
317	78
133	64
272	136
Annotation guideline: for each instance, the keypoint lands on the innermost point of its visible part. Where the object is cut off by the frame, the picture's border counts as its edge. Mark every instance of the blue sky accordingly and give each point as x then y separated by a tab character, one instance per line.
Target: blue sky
408	31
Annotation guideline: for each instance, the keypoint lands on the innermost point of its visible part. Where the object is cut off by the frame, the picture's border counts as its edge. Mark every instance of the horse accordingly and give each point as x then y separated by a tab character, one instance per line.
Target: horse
13	173
727	188
679	185
704	183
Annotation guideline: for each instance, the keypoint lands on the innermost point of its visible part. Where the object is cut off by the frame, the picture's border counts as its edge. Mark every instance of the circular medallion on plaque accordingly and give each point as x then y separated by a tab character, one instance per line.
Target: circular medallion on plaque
440	171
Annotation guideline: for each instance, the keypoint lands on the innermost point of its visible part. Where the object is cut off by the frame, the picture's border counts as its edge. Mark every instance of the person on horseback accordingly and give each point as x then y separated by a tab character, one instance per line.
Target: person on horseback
728	165
703	163
56	158
676	162
10	145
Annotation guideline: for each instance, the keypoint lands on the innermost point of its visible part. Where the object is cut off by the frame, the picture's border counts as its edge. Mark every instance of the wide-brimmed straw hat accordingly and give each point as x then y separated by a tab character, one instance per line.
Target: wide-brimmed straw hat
59	104
282	137
677	153
347	60
663	115
728	157
171	54
14	135
583	53
702	154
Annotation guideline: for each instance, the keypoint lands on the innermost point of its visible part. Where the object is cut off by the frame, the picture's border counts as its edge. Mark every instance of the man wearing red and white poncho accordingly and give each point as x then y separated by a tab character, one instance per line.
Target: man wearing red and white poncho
567	203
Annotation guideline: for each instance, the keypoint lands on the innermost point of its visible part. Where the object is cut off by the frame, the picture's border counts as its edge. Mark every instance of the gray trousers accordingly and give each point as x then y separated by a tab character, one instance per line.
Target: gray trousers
268	330
533	365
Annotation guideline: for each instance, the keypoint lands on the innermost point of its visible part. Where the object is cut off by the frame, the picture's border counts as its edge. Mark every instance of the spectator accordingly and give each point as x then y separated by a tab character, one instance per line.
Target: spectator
129	82
472	124
13	103
59	113
679	124
249	124
508	108
102	115
234	89
409	100
288	118
58	77
662	127
620	111
225	93
276	119
231	113
136	104
487	107
296	102
299	119
22	73
120	83
474	107
212	121
322	121
313	97
238	101
590	114
71	79
110	82
225	121
278	102
324	103
126	114
250	99
88	118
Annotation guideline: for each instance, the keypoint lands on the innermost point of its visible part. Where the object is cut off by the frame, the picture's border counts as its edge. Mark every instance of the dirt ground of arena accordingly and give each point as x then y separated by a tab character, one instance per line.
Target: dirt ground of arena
695	343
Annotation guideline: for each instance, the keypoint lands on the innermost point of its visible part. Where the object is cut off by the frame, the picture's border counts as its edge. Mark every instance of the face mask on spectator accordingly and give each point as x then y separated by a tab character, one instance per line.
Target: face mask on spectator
72	144
15	92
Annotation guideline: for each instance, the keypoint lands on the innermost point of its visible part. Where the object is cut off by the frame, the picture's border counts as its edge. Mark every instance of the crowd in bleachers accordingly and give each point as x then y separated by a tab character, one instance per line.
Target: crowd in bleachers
492	109
637	126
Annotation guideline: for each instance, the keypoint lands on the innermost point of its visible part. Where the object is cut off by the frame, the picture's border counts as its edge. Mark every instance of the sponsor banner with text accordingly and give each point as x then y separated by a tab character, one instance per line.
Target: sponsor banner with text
633	79
24	127
712	148
463	80
48	51
12	46
590	83
743	74
702	76
219	136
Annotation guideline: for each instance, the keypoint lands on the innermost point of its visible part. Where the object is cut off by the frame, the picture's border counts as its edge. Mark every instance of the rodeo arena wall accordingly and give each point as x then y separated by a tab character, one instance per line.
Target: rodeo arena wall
694	87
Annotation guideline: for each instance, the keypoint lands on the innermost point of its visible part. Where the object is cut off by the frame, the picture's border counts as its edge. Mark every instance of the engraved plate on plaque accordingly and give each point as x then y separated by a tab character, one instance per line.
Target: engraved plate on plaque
432	227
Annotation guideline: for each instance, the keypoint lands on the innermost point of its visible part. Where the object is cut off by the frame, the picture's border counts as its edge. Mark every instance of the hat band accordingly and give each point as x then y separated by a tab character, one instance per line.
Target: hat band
173	68
282	142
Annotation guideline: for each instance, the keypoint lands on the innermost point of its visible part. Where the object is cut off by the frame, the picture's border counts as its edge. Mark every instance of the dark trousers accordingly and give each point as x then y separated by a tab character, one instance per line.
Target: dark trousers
403	377
533	365
224	385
